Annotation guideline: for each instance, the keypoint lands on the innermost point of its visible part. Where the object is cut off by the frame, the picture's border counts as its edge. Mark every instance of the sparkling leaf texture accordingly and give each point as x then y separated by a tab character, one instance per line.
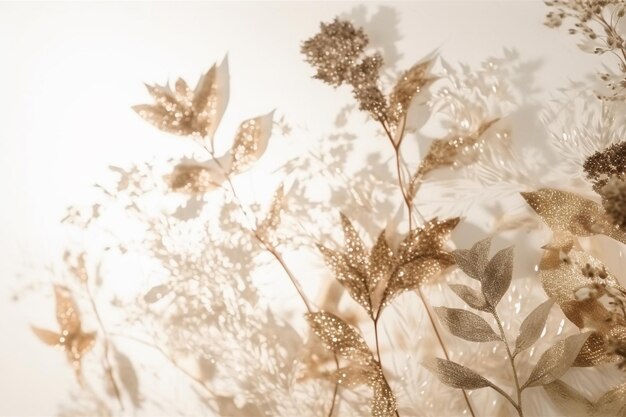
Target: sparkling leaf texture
455	375
532	326
497	276
466	325
556	360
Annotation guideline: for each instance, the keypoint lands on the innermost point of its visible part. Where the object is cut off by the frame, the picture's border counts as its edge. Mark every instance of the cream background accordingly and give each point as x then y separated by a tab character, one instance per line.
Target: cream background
71	71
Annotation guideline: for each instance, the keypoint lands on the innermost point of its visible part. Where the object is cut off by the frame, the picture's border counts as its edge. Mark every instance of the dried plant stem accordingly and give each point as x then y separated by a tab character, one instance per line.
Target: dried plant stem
441	343
108	369
518	405
396	149
380	363
272	250
409	206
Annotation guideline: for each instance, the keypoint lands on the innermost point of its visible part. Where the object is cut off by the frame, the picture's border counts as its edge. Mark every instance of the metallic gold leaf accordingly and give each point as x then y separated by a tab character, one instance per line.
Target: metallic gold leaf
411	83
187	113
466	325
565	211
613	403
569	401
353	279
498	275
381	264
383	402
420	257
272	218
532	326
250	141
46	336
66	310
340	337
474	261
454	375
473	298
556	360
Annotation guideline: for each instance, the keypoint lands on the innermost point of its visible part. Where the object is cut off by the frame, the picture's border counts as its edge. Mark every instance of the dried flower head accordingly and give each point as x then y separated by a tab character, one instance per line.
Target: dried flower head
614	200
604	164
334	51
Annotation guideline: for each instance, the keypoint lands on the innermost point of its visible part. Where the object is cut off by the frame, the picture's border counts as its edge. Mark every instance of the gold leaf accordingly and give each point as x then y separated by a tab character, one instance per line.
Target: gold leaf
556	360
353	278
498	275
454	375
250	141
613	403
187	113
446	152
411	83
420	257
565	211
46	336
473	261
381	263
383	402
466	325
340	337
66	310
568	400
272	218
532	326
473	298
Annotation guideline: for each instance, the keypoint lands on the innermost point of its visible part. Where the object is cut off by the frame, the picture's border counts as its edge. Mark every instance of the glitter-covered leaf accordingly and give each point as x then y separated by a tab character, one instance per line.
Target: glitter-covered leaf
532	326
186	113
565	211
498	275
410	83
250	141
466	325
473	261
352	376
556	360
340	337
613	403
383	402
569	401
66	310
447	152
71	338
454	375
472	297
420	257
272	218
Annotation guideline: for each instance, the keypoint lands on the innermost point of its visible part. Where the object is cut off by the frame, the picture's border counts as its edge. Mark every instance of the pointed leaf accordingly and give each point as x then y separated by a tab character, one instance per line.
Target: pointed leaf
473	261
272	219
472	297
48	337
612	403
532	326
556	360
411	83
250	141
498	275
340	337
565	211
569	401
454	375
383	401
466	325
67	313
128	376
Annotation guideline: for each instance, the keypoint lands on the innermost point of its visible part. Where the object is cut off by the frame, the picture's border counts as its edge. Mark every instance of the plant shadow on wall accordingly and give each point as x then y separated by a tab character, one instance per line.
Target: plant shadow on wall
200	258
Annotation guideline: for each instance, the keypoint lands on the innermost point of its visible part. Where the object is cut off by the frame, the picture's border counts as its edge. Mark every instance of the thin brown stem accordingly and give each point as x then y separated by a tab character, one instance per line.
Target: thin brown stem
380	363
108	369
518	406
335	392
441	343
